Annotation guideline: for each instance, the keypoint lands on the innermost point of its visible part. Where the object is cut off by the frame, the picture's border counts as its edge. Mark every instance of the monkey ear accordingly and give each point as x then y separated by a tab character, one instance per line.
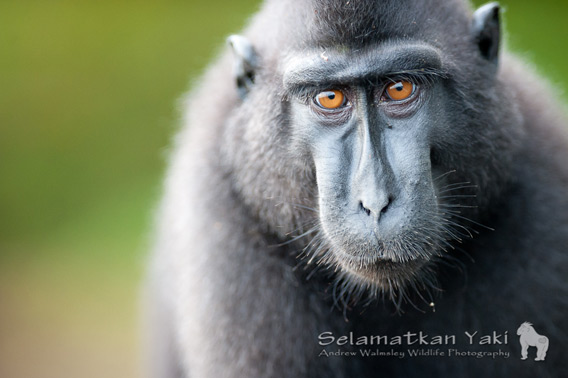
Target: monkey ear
245	63
486	31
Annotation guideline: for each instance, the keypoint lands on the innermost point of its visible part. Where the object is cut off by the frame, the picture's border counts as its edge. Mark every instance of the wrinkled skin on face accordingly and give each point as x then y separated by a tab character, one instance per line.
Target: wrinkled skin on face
378	204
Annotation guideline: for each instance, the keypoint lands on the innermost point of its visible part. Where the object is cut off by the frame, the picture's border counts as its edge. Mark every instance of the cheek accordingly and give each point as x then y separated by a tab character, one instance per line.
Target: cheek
333	175
332	182
409	155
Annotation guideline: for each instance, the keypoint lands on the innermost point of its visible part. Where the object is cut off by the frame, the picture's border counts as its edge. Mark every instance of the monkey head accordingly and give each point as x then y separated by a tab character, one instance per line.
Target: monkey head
377	129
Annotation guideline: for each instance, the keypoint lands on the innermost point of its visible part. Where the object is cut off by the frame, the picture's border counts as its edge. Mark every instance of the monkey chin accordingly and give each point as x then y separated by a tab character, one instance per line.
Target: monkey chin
385	274
373	275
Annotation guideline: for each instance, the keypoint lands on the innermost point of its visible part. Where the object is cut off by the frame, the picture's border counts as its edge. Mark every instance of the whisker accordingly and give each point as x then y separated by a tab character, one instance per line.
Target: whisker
444	175
458	187
474	222
310	231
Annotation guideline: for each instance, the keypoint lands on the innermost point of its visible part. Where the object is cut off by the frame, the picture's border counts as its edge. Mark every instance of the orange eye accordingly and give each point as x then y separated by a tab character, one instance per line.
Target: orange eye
401	90
331	99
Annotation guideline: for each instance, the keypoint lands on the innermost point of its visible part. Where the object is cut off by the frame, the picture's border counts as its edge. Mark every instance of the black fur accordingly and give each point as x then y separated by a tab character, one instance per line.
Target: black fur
248	269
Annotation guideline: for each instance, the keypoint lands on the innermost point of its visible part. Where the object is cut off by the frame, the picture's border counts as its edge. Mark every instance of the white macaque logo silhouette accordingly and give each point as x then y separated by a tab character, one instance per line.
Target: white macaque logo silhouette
529	337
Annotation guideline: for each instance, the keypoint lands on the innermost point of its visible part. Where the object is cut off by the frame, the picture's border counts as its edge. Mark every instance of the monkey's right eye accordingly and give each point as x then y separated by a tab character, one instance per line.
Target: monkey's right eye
330	99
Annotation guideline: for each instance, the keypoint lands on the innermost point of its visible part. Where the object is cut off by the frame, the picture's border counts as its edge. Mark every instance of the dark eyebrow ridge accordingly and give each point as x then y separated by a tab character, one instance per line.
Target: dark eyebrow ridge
318	70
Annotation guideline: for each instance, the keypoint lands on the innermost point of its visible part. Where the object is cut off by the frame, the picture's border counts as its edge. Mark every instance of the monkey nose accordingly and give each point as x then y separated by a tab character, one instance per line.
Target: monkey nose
375	207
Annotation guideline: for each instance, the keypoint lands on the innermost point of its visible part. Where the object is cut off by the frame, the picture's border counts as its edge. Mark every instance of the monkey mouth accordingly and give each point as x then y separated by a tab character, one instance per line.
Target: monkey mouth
383	271
385	267
404	258
400	251
399	283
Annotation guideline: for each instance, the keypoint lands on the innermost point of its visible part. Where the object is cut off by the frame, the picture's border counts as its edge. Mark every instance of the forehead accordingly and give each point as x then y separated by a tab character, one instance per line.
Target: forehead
359	22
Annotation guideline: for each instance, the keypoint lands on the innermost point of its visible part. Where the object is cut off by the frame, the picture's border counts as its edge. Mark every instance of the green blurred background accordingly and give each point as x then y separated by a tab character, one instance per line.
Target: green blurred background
88	94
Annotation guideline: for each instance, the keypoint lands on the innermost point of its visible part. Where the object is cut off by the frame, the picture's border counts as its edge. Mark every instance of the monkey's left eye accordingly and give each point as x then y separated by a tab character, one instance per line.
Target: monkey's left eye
330	99
399	91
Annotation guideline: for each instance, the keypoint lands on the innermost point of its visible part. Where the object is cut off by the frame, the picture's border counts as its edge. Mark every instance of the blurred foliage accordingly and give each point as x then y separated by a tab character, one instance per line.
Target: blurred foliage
87	104
88	94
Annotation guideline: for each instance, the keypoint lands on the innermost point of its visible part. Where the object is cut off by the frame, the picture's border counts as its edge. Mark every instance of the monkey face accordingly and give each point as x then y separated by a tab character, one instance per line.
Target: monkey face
369	130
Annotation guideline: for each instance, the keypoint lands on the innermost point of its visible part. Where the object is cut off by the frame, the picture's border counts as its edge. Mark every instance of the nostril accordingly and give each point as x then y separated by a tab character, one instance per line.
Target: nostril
384	209
375	210
362	207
